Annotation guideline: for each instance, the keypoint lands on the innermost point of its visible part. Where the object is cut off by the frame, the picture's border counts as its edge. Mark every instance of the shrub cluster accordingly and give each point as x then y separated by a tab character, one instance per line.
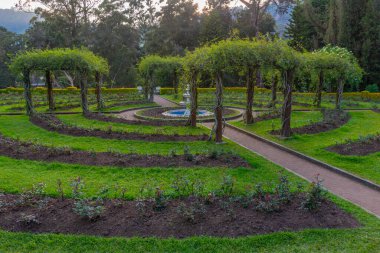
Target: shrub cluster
192	197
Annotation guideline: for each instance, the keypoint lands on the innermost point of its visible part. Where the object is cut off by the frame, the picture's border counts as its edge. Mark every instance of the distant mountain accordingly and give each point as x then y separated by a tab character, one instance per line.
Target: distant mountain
15	21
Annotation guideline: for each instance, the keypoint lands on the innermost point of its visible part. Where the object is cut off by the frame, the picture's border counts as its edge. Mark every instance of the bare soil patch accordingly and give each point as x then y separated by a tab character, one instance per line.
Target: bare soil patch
136	102
268	116
359	148
29	151
52	123
123	218
332	119
301	104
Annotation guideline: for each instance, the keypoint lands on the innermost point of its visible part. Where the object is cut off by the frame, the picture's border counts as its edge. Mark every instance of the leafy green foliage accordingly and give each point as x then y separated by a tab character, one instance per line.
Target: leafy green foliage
81	60
160	71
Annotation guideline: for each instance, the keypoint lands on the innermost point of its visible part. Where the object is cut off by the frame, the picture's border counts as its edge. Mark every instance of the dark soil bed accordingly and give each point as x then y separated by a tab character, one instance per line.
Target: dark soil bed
66	107
52	123
156	113
359	148
122	218
30	151
332	119
106	118
376	110
301	104
267	116
137	102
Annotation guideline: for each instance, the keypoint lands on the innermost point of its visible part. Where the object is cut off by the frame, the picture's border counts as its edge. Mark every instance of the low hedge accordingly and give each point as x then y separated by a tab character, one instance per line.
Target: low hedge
364	95
68	90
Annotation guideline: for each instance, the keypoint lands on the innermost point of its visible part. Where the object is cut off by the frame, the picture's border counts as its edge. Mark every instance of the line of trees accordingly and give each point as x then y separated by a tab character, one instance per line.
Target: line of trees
123	31
249	58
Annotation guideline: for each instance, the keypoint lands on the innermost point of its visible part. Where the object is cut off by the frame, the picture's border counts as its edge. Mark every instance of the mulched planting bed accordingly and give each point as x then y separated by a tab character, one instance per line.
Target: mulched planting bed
156	113
66	107
125	218
106	118
52	123
332	119
376	110
301	104
267	116
29	151
359	148
114	104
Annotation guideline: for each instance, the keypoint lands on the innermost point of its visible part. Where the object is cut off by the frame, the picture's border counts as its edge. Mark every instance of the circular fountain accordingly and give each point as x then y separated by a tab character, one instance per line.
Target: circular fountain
185	112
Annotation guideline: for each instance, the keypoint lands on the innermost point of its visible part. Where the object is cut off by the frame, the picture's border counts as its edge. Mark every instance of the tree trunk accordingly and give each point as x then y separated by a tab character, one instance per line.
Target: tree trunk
318	98
28	94
83	92
98	91
339	94
49	85
250	84
146	91
219	109
287	106
151	92
274	91
259	79
175	84
193	101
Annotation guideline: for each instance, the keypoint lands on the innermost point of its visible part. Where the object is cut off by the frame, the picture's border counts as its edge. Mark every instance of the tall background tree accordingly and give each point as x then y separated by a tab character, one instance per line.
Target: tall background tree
177	29
352	24
259	8
10	43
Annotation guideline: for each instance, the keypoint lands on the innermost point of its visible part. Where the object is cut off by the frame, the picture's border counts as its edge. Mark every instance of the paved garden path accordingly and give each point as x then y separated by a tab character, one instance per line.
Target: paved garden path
129	115
345	187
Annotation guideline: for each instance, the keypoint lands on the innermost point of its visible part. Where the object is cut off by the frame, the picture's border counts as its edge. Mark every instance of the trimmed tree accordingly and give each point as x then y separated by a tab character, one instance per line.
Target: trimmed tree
81	61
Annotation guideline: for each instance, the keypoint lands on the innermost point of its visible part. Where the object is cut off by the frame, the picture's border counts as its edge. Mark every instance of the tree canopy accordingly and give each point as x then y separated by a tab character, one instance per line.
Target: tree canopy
81	60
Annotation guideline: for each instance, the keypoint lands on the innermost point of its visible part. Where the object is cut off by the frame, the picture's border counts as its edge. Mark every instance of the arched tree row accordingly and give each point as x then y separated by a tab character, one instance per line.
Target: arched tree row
249	58
82	62
157	71
333	65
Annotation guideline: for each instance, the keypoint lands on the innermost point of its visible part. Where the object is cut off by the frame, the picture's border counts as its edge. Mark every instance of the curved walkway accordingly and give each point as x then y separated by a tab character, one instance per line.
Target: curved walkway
129	115
343	186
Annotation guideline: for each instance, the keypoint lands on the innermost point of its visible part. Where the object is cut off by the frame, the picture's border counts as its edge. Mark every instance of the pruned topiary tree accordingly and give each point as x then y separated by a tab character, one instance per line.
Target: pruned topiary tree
81	61
344	69
156	70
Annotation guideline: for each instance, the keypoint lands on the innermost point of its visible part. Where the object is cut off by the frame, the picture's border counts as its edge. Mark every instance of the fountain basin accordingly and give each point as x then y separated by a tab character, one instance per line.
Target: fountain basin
180	113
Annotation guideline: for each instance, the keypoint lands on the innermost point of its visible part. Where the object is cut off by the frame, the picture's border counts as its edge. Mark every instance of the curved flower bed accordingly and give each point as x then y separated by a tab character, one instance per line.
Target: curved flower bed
332	119
51	123
29	151
364	146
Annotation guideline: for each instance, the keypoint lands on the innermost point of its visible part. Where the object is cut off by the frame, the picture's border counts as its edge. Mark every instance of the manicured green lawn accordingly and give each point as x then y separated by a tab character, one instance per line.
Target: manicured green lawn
93	107
348	241
238	99
80	121
361	123
16	175
20	127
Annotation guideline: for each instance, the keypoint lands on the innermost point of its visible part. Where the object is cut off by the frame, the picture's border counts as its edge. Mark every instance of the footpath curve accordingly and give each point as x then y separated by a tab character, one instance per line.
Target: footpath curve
356	192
